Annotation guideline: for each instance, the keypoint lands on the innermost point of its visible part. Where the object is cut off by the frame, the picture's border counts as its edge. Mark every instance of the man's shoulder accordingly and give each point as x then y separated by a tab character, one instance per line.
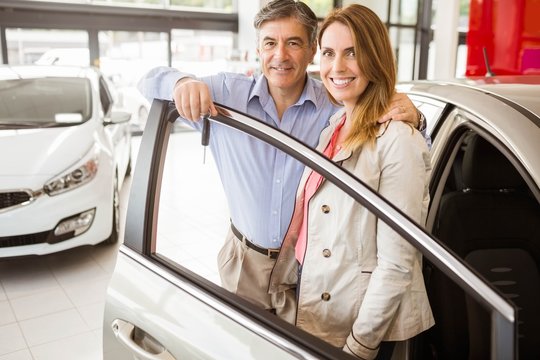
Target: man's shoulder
316	84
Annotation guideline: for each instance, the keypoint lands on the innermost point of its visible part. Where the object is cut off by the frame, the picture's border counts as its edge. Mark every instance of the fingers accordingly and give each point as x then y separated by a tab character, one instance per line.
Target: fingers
401	109
193	100
396	113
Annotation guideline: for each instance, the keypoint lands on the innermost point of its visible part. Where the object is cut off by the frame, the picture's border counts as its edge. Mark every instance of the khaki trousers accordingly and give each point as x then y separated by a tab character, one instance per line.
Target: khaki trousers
246	273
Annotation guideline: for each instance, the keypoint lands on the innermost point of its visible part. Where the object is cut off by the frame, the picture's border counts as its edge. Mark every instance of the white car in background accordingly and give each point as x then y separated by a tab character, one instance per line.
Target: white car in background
65	155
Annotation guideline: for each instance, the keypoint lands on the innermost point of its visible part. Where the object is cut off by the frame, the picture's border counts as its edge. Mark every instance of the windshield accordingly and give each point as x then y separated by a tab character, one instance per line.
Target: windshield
44	102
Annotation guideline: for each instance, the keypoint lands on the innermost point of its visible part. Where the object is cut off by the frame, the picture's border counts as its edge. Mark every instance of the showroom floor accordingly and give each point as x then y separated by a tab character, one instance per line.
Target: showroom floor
51	307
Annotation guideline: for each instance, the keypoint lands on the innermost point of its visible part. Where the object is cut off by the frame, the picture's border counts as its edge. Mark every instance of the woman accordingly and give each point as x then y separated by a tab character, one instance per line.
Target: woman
361	284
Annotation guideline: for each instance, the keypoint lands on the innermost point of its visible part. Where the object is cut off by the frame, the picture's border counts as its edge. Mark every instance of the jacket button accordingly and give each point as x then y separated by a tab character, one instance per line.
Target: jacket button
325	296
325	209
326	253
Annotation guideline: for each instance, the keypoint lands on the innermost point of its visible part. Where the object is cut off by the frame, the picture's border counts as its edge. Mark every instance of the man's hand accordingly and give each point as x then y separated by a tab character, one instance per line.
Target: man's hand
402	109
192	99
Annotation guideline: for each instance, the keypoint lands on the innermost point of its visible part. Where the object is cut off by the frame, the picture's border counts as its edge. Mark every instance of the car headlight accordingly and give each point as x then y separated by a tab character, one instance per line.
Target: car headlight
75	176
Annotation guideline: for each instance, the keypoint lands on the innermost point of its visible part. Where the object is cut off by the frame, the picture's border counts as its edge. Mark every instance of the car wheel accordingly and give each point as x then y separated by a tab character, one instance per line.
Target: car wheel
116	214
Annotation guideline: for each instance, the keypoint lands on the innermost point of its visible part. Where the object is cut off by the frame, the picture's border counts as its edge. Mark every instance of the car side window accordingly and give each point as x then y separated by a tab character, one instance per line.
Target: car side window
489	217
105	96
432	110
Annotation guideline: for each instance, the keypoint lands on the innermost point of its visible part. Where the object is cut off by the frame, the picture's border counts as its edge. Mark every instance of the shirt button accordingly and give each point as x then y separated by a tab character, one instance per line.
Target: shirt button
325	209
278	181
325	296
326	253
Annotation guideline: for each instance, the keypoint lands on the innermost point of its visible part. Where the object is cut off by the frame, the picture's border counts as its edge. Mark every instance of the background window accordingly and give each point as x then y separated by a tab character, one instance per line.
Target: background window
29	46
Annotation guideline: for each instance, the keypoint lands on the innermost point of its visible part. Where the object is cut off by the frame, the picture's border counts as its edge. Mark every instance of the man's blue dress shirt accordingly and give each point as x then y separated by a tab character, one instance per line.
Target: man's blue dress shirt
259	181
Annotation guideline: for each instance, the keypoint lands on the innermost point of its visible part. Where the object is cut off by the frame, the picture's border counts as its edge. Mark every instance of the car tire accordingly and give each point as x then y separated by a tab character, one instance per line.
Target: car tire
116	214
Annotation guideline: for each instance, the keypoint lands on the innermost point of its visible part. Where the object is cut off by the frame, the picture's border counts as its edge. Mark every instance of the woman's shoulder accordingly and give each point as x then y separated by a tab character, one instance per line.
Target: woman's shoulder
393	129
399	134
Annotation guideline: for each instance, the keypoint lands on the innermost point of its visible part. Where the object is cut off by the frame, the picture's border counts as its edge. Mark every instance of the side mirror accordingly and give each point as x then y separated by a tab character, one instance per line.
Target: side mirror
118	117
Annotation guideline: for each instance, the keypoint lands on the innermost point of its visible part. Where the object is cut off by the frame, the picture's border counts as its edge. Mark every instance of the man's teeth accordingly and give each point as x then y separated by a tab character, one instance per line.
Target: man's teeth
342	81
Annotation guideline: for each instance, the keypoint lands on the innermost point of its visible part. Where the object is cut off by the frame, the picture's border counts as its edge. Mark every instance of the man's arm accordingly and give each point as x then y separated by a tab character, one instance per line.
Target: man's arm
159	83
191	96
193	99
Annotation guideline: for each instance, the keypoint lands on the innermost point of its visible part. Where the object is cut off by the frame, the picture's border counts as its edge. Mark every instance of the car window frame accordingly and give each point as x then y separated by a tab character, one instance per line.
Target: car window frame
105	96
140	236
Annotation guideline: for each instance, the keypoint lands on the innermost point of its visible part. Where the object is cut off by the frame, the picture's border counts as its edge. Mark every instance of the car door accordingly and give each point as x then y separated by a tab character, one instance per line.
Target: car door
165	301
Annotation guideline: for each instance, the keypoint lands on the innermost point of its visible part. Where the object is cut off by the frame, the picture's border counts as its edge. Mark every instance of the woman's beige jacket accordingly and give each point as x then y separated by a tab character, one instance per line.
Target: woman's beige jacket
361	282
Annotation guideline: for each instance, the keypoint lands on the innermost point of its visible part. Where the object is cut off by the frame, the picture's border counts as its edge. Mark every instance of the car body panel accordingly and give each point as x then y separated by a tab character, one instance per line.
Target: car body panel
49	151
230	340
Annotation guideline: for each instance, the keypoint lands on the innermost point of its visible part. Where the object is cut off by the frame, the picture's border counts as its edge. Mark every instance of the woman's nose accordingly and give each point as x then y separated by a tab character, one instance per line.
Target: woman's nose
338	64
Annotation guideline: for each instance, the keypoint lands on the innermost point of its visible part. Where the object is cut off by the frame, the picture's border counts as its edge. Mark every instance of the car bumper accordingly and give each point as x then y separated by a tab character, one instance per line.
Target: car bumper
29	229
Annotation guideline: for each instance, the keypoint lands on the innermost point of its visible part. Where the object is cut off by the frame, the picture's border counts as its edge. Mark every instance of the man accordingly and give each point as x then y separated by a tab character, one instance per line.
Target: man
260	181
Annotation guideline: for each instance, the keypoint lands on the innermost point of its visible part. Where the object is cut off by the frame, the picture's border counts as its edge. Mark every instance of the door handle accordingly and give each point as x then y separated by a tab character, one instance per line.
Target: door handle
139	342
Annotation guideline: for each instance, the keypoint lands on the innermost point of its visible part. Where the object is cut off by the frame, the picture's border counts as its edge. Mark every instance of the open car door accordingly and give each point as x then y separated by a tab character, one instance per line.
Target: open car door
165	300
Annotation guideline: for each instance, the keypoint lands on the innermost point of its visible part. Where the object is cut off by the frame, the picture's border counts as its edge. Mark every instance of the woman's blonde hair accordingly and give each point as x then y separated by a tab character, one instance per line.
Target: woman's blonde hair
376	62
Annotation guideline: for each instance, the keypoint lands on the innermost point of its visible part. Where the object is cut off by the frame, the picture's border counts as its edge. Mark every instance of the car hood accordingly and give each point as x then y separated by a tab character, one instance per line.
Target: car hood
43	152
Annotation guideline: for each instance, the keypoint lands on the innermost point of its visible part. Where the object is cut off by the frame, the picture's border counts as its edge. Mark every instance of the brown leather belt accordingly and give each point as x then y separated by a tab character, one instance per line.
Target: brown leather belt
271	253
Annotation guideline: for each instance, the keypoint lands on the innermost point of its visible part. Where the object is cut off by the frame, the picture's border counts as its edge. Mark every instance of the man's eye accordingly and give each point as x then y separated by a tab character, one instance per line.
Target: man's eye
269	44
294	44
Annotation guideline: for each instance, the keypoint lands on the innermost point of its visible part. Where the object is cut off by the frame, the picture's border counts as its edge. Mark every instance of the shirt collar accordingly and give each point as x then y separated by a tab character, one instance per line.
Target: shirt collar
260	90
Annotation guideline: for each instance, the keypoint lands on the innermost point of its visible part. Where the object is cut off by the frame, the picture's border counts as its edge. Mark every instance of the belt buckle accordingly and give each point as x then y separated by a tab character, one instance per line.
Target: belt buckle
271	252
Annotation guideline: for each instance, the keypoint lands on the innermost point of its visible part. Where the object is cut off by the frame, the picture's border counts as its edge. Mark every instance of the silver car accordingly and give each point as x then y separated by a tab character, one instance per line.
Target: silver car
481	243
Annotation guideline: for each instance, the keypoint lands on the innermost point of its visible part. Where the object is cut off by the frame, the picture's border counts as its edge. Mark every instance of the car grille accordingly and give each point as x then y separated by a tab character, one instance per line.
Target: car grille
28	239
14	198
36	238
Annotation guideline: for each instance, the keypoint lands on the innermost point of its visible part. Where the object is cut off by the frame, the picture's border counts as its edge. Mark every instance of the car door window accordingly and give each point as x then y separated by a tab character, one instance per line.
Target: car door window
484	210
193	212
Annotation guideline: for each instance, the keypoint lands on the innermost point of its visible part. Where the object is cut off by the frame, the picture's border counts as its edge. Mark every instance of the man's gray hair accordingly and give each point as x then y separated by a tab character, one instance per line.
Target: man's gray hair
281	9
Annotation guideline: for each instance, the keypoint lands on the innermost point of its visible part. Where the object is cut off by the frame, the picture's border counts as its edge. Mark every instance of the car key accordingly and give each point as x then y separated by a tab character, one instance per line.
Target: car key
205	136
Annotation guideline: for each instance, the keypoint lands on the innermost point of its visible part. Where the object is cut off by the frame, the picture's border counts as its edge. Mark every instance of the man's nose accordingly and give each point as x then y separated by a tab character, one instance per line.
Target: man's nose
281	51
